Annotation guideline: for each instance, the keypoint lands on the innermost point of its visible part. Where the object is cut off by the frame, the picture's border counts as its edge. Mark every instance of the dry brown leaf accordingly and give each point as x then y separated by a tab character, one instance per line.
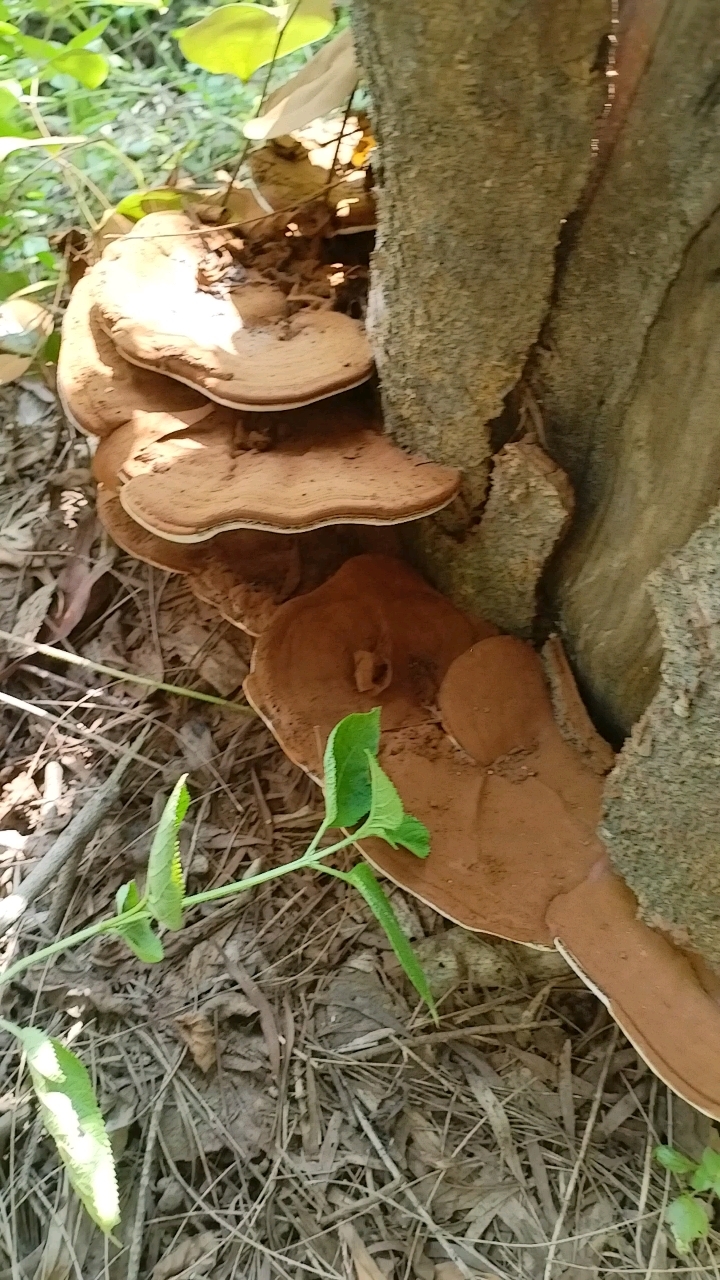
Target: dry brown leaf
365	1267
197	1032
324	83
33	612
197	1253
25	325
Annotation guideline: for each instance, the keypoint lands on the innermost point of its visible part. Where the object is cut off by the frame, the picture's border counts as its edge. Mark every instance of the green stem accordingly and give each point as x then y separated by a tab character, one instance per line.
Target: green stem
309	859
64	944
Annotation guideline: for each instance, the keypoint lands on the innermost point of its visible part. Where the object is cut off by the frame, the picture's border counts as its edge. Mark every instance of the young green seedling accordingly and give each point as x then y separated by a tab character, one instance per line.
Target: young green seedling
687	1216
358	794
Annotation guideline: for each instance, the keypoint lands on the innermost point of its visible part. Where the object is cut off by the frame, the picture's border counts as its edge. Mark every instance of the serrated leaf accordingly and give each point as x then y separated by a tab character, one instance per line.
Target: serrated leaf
386	808
347	784
707	1174
674	1160
413	835
165	885
238	39
688	1220
362	878
90	69
73	1119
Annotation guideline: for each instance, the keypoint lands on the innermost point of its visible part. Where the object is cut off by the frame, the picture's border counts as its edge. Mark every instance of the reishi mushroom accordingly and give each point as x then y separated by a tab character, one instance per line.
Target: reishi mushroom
664	1000
291	472
99	391
236	343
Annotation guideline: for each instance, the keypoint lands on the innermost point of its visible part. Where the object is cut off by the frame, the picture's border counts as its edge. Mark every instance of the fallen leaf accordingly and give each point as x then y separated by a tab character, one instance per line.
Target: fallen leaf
325	82
33	612
24	327
197	1032
10	144
365	1267
197	1253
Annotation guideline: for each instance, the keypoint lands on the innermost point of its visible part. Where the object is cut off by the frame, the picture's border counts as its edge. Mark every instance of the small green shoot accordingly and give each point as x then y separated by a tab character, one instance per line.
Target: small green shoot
357	794
687	1216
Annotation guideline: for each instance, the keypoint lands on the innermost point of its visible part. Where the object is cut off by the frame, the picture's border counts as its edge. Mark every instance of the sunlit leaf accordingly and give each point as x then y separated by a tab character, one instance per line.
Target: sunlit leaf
688	1220
73	1119
238	39
362	878
91	69
165	887
346	771
139	203
323	84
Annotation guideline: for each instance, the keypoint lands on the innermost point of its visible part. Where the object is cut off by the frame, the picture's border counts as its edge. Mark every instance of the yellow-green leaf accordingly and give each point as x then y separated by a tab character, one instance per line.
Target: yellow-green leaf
238	39
165	885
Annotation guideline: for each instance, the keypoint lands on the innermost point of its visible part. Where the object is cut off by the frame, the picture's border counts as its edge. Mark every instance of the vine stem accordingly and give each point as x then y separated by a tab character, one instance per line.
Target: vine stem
117	924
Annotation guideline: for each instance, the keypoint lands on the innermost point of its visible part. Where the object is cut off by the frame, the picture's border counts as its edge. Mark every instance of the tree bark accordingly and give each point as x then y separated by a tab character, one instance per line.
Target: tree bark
484	114
508	269
628	368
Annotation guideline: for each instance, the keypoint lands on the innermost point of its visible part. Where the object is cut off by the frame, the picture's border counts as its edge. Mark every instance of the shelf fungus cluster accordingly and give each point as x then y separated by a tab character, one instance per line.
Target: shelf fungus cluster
239	444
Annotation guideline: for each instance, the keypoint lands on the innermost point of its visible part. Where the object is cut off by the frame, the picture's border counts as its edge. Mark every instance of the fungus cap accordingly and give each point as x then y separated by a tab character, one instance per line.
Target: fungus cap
510	805
159	317
99	391
321	466
375	634
659	996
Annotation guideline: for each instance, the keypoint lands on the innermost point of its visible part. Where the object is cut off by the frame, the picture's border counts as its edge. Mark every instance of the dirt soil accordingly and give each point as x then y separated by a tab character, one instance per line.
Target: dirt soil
279	1103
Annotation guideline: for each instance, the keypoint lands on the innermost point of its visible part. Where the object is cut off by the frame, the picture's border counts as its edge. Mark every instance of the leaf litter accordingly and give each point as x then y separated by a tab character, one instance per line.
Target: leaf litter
278	1101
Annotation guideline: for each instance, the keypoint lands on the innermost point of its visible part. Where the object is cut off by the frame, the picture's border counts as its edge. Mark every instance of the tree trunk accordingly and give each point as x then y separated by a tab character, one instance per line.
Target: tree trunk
516	281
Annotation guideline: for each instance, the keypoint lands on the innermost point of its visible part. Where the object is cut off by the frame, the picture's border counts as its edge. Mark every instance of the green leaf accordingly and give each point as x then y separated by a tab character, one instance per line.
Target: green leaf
11	281
165	885
238	39
138	934
688	1220
347	773
140	203
73	1119
84	38
412	834
91	69
363	880
8	101
9	144
673	1160
39	50
386	808
707	1174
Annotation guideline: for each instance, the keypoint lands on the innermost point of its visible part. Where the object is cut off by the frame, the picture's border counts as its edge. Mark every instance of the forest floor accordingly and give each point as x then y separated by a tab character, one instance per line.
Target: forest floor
279	1104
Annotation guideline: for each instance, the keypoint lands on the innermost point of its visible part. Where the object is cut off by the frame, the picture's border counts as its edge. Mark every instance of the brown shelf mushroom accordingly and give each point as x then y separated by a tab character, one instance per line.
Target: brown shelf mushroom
245	575
232	338
515	827
665	1001
510	806
285	473
100	391
374	635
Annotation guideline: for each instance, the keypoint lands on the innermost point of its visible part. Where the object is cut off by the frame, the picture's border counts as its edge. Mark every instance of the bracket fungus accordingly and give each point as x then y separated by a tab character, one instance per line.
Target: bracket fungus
284	473
221	327
665	1000
99	391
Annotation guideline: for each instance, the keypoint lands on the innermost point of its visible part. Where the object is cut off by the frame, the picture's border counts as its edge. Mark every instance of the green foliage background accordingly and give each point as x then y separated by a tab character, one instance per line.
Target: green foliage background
152	113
